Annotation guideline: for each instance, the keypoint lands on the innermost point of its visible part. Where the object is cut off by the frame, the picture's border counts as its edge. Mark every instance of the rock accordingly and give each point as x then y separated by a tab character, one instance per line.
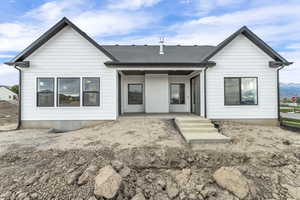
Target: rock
32	179
192	196
87	174
139	196
107	182
160	196
293	191
34	196
125	172
6	195
183	178
286	142
209	192
21	195
232	180
80	162
117	165
45	178
161	182
73	177
172	189
92	198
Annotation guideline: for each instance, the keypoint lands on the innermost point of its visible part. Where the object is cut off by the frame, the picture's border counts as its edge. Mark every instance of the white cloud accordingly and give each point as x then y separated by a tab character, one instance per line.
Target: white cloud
105	23
5	69
132	4
6	56
53	10
206	6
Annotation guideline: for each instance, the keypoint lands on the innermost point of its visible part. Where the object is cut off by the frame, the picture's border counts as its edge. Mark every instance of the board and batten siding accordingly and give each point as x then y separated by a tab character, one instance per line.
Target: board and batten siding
242	58
68	54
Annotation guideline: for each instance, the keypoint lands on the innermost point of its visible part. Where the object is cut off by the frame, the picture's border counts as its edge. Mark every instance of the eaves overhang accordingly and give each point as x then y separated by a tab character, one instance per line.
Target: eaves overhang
159	64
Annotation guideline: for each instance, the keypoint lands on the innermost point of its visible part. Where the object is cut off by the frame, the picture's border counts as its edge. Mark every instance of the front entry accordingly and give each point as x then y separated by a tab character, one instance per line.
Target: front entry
195	94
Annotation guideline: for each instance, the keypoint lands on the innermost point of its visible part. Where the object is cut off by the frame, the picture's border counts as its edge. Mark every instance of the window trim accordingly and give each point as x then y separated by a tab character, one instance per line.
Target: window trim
240	91
132	104
92	92
37	92
57	92
179	94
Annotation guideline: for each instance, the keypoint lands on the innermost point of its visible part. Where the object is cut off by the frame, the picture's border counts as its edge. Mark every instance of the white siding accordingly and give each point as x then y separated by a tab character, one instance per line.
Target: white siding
181	107
68	54
156	93
242	58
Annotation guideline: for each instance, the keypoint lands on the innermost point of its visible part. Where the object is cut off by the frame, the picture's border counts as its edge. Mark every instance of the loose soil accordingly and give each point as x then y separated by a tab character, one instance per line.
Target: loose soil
8	115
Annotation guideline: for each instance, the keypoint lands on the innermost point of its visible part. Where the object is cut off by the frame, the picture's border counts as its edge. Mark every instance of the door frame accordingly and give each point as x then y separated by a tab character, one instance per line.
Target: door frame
192	95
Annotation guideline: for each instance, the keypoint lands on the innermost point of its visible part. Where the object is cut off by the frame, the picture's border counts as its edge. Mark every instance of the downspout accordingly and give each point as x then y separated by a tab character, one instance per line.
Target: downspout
281	66
205	104
20	97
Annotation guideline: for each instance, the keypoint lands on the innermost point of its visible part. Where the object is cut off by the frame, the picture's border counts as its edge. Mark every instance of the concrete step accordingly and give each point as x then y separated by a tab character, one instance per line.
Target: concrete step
196	125
189	120
199	130
207	138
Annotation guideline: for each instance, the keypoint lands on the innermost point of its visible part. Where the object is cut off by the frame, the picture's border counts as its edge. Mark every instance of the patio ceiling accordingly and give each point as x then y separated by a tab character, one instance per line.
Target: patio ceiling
169	72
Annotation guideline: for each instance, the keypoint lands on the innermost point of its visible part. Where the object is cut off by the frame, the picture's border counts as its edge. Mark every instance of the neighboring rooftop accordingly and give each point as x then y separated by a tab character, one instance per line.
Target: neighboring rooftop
150	53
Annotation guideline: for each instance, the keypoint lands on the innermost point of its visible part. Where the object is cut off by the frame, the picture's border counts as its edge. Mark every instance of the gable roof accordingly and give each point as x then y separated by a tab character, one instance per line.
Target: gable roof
252	37
50	33
150	53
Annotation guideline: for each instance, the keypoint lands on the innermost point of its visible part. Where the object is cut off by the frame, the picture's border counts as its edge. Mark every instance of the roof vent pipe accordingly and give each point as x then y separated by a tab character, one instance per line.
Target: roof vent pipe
161	46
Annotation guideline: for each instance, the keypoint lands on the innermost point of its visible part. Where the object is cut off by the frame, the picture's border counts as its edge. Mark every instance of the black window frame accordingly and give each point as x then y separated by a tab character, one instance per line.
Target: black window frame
57	92
37	92
240	91
179	93
128	93
91	92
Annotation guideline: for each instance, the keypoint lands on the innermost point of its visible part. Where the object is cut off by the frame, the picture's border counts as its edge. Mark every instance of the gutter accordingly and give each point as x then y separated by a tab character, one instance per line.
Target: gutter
159	64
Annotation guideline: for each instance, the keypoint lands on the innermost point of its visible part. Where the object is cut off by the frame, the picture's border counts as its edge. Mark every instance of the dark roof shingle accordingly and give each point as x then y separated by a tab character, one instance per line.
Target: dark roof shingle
150	53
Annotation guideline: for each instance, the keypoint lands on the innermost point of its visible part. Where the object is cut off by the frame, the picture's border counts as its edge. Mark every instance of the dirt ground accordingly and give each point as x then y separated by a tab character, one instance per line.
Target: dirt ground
129	133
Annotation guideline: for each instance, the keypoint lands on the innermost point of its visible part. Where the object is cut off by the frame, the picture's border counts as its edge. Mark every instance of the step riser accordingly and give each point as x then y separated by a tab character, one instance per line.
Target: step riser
199	131
197	125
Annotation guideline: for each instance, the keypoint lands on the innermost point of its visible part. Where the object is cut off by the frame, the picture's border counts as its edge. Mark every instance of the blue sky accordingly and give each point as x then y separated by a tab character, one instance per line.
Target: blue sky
143	21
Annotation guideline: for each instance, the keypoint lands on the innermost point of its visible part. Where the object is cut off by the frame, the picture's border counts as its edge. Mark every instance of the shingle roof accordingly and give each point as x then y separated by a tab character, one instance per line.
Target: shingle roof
150	53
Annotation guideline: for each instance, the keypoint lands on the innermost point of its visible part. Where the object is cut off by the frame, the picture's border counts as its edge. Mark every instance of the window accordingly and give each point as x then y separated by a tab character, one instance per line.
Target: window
135	94
91	87
68	92
45	92
177	93
240	91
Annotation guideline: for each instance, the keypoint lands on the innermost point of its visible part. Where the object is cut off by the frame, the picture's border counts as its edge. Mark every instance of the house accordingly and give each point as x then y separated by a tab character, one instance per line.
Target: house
7	95
67	79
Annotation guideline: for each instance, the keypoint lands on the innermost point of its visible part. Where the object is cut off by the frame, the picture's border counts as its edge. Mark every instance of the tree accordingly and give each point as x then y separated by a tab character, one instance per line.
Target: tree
298	100
15	89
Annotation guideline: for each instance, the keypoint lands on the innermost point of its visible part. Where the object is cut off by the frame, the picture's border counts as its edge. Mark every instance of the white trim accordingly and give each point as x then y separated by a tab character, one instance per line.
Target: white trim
158	69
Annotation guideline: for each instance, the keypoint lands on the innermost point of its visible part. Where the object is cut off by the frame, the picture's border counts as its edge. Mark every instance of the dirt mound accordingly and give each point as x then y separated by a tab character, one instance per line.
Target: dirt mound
8	113
153	173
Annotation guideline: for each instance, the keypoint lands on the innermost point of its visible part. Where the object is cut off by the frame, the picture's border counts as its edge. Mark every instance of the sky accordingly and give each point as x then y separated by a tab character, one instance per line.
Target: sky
184	22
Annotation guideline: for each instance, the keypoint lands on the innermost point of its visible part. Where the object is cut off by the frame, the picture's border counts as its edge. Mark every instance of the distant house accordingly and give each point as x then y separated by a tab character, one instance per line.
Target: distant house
7	95
67	78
